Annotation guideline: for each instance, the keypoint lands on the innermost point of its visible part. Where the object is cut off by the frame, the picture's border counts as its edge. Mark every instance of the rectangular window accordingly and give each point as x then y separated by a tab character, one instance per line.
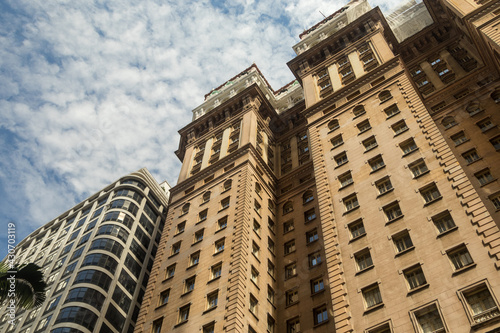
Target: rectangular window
224	203
484	177
376	163
180	228
485	124
356	229
293	325
309	215
345	179
212	300
270	244
471	156
399	127
256	206
270	268
202	216
363	126
255	250
189	284
198	236
429	320
256	227
443	222
170	271
350	203
215	271
219	246
385	328
176	248
289	247
270	323
270	294
337	141
194	259
392	212
288	226
402	241
312	236
418	168
291	296
383	185
253	305
341	159
183	314
391	110
408	146
414	277
496	142
314	259
371	296
481	305
495	199
164	295
370	143
460	257
209	328
430	193
290	270
317	285
459	138
363	260
222	223
320	315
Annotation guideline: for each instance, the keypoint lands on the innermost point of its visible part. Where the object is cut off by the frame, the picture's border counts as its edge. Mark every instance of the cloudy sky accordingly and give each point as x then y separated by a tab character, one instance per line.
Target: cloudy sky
93	90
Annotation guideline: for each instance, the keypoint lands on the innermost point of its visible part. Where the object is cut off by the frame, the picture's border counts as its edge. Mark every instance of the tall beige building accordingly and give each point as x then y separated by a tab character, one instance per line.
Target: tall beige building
361	197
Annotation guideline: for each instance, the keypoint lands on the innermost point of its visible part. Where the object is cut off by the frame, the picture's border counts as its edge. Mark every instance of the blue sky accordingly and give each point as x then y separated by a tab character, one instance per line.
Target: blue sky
91	91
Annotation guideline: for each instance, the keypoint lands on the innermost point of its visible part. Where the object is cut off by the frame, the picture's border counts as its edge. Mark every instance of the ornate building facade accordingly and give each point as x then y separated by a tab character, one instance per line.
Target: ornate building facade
362	197
97	258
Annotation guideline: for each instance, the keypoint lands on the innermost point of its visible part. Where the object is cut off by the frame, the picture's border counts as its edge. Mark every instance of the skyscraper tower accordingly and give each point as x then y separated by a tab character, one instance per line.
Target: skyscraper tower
97	258
348	200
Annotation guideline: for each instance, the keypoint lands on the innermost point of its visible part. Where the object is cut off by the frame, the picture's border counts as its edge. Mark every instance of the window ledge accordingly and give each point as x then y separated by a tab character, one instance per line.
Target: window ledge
479	159
314	241
321	324
309	221
169	278
223	208
433	201
489	128
491	181
340	144
370	149
339	165
181	323
216	231
447	232
461	143
292	304
403	131
208	310
227	189
253	314
216	253
417	289
177	234
382	194
333	129
463	269
269	301
183	214
357	237
359	115
214	279
411	248
173	255
364	131
317	265
393	115
343	187
161	306
286	254
187	293
290	277
256	258
204	202
373	308
318	292
351	210
395	219
364	270
385	100
189	267
373	171
197	242
410	152
486	322
423	173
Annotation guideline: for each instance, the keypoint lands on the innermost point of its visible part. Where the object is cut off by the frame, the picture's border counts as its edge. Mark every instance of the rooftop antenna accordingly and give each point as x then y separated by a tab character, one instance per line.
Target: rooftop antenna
322	13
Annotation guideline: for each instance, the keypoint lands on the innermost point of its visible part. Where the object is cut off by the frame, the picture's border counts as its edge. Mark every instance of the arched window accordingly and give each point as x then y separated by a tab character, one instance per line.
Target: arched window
333	125
308	196
227	184
287	207
473	108
448	122
385	95
358	110
206	196
258	188
496	96
185	209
